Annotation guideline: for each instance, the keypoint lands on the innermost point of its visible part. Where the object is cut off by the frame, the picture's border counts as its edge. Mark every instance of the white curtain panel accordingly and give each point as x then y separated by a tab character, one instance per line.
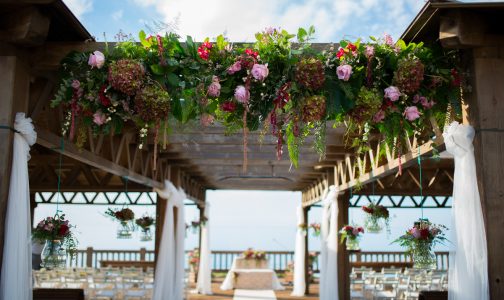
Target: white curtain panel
169	277
468	275
328	289
16	282
204	285
299	257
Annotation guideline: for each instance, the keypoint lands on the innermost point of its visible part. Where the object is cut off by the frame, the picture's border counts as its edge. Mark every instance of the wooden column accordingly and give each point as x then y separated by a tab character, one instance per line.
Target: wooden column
14	95
201	218
33	205
174	177
343	258
307	253
485	113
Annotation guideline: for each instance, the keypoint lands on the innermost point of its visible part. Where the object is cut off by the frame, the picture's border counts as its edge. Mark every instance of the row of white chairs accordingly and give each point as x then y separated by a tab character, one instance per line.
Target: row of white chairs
392	284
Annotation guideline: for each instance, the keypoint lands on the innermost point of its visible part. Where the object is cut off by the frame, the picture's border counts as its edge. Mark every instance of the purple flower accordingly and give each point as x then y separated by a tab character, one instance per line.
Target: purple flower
242	94
388	39
344	72
269	30
76	84
260	72
214	87
96	60
99	118
234	68
379	116
411	113
392	93
369	51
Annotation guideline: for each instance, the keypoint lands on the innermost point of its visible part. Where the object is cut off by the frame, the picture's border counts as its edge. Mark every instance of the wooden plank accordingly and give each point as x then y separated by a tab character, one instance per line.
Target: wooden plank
52	141
25	26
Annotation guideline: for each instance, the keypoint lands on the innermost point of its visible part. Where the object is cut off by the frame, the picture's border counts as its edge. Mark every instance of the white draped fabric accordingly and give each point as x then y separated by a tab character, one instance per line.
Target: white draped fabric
204	285
16	282
169	277
329	247
299	256
468	277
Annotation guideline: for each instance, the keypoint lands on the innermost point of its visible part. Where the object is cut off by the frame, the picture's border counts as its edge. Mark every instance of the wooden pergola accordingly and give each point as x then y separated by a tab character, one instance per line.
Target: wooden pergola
36	34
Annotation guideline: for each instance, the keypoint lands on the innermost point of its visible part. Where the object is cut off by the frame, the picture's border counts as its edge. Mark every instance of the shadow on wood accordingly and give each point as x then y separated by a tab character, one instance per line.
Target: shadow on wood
63	294
433	295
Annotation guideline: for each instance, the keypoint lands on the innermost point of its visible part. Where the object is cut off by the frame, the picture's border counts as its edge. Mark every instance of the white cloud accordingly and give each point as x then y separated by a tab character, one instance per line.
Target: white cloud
117	15
332	19
79	7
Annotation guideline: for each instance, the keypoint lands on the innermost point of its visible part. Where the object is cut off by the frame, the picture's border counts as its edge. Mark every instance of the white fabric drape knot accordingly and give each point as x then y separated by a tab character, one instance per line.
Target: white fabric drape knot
169	279
16	282
204	285
468	276
299	256
329	247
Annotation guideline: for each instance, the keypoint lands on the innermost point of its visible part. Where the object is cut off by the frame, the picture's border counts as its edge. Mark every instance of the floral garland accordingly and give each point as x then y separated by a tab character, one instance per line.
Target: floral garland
289	89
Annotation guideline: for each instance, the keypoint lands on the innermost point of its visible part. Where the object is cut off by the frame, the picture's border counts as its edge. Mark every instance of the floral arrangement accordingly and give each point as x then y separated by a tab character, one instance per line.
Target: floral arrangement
423	235
254	254
145	222
124	215
56	228
316	228
194	258
273	85
375	213
349	232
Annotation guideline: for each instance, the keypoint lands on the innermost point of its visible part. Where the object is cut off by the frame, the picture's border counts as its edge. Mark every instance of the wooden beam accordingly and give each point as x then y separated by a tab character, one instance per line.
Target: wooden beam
26	26
53	142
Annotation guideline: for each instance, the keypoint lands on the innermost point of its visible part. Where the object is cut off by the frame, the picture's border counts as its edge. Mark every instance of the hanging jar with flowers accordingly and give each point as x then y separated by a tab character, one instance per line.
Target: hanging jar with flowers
377	217
145	224
59	241
125	217
316	229
420	241
352	235
303	228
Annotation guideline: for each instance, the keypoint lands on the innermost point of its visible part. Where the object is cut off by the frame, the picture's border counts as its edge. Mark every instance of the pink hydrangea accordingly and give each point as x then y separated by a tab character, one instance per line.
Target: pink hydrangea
344	72
379	116
99	118
260	72
242	94
96	60
411	113
214	88
234	68
392	93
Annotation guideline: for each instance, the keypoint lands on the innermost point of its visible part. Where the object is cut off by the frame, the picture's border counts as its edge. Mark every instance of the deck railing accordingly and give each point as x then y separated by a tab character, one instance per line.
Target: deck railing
222	260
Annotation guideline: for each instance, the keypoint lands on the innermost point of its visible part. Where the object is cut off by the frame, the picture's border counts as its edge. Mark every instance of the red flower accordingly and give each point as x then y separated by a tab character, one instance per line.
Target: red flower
424	234
207	45
228	106
252	53
104	100
203	52
360	229
456	78
63	230
341	52
367	209
351	47
348	228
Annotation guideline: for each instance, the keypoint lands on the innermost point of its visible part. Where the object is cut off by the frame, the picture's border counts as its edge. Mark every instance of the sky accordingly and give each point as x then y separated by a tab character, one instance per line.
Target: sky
241	19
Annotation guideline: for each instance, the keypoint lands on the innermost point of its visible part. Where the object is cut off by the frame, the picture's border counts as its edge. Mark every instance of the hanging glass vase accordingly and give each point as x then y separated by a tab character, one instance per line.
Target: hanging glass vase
373	224
146	235
124	231
53	255
352	243
424	257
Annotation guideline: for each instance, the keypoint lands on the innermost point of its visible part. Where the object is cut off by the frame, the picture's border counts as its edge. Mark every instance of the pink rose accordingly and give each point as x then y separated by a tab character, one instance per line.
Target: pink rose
355	231
99	118
392	93
214	88
369	51
344	72
411	113
242	94
234	68
96	60
426	103
388	39
260	72
415	232
379	116
206	120
417	98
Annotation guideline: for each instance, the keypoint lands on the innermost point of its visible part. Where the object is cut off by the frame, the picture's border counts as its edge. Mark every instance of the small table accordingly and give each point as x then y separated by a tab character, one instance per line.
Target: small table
251	274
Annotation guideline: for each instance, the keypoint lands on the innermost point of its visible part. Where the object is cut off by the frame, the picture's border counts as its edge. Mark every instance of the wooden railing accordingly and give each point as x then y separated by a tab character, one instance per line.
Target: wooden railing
222	260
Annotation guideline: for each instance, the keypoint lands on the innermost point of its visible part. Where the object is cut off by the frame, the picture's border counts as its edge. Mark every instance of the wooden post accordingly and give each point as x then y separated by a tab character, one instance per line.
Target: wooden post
343	258
89	257
307	254
201	218
143	252
485	108
33	205
14	95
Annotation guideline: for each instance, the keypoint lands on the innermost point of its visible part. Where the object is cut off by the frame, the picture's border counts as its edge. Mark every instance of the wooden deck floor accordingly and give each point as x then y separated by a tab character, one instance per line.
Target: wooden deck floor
281	295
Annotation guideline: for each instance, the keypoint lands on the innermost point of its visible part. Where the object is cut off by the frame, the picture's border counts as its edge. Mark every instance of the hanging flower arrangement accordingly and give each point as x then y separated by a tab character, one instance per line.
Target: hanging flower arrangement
420	241
303	228
193	258
352	235
125	218
376	217
59	241
145	224
316	229
279	84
